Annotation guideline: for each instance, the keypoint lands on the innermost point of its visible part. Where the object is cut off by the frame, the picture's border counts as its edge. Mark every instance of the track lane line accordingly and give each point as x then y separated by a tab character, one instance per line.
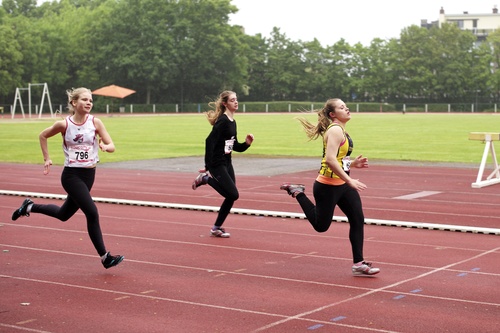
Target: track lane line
407	224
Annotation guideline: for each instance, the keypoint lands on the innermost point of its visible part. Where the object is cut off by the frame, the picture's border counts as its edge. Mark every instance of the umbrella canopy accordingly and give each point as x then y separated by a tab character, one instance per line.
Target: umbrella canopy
113	91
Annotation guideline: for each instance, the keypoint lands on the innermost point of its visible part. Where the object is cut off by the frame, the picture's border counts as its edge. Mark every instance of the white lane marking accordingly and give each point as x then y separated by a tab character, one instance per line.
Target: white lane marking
417	195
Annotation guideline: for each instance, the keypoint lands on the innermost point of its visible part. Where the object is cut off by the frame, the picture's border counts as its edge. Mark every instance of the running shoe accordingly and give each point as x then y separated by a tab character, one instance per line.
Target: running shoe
111	261
364	268
293	189
23	210
201	179
220	232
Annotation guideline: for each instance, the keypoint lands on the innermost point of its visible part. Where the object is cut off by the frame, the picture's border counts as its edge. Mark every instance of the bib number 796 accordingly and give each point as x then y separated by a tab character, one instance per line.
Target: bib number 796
81	155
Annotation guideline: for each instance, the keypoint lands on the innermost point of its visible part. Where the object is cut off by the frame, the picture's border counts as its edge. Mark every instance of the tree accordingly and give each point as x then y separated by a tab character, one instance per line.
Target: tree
183	51
19	7
339	70
284	66
416	56
173	51
314	78
453	63
373	71
257	85
491	51
132	45
10	61
209	53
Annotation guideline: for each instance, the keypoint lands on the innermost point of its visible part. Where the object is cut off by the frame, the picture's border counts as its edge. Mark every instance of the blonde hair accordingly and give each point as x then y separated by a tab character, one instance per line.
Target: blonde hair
218	107
324	120
74	95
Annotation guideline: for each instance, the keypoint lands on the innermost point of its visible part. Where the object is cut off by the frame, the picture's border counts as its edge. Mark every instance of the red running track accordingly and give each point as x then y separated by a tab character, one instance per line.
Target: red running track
273	275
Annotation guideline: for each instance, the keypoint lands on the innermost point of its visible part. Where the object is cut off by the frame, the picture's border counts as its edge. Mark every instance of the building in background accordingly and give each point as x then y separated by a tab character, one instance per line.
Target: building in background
479	24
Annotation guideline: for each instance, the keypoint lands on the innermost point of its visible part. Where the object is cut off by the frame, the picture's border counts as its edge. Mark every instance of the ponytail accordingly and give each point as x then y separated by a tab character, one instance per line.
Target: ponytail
218	107
324	120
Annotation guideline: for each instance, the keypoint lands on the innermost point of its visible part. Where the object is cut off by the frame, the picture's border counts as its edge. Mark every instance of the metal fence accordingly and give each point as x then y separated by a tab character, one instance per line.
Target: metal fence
263	107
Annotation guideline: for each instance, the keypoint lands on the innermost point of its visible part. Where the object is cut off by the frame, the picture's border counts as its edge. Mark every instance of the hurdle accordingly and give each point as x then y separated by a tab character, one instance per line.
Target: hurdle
494	177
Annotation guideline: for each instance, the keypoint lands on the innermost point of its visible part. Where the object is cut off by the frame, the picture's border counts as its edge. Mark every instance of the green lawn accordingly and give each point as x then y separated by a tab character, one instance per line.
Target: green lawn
393	136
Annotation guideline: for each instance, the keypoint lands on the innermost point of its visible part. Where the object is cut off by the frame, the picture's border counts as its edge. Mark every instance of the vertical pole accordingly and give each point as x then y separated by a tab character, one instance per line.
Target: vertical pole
483	160
29	98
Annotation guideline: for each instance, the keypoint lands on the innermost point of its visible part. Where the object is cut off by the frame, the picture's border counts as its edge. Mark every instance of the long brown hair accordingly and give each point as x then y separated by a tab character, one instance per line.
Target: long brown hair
218	107
324	120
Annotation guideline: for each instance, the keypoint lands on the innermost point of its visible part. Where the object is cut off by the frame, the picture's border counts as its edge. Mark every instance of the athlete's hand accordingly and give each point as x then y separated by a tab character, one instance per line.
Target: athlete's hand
102	146
46	167
357	185
360	162
249	139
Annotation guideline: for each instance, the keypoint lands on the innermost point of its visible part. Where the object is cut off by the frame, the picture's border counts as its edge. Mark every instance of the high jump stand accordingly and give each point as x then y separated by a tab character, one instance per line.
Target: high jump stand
494	177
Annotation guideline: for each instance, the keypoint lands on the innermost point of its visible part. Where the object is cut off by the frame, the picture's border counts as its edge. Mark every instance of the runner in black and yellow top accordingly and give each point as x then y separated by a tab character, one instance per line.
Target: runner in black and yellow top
334	186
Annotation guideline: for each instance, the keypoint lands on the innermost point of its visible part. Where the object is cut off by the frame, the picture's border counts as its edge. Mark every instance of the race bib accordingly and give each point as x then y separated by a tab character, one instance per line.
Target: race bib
228	147
346	164
80	154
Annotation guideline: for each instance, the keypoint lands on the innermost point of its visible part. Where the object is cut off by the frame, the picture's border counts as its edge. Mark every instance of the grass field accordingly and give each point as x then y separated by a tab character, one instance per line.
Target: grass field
379	136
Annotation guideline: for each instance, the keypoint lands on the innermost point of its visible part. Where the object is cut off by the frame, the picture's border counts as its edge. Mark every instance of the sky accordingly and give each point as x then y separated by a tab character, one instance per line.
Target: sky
353	20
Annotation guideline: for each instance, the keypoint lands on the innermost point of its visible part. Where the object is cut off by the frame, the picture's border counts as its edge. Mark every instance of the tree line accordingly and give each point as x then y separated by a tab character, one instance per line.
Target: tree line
186	51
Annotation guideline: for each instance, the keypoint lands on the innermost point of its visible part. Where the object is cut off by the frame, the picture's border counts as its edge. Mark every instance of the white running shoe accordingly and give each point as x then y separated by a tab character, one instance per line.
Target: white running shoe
220	232
364	268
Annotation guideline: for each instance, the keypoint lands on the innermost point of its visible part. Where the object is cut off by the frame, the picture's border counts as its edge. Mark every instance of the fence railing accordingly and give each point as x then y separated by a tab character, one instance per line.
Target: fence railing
263	107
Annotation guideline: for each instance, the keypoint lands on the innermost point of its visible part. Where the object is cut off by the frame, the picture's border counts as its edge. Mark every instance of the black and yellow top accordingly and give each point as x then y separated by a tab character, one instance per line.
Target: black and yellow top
326	175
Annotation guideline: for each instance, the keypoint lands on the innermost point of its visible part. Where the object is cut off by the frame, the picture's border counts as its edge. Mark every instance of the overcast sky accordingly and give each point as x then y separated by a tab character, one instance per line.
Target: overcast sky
355	21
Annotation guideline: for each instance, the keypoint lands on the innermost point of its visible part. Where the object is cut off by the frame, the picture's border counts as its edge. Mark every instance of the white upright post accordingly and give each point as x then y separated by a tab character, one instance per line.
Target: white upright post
16	98
45	92
494	177
29	99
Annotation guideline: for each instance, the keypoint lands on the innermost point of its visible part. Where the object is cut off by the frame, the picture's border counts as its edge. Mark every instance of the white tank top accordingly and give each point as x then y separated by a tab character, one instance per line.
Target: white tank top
80	144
